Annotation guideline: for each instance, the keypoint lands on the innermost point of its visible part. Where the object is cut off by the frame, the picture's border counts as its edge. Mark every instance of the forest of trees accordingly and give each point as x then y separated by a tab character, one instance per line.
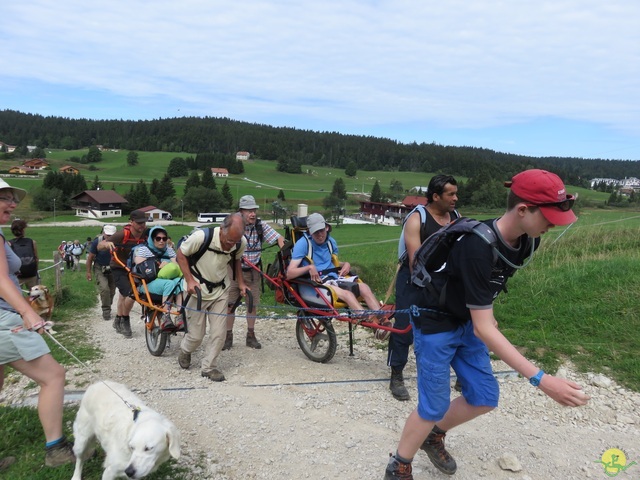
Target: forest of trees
209	138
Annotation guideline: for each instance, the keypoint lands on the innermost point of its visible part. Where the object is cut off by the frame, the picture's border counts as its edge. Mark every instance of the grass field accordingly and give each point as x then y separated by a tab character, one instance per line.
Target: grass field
260	178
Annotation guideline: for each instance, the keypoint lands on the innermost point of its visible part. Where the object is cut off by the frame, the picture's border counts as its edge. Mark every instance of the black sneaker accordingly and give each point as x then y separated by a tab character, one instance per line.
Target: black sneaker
117	324
397	470
125	327
59	454
433	446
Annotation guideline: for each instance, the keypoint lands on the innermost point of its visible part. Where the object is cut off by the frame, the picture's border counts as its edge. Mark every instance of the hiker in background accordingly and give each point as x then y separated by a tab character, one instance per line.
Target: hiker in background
27	250
86	244
76	251
68	256
442	195
22	346
461	332
256	234
210	275
98	266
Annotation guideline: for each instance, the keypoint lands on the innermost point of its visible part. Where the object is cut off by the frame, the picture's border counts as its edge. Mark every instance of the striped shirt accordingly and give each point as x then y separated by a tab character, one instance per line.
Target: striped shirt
254	246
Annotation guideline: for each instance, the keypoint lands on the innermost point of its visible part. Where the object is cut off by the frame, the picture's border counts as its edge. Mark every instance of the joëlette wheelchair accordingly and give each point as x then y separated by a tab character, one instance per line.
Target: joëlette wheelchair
153	310
317	303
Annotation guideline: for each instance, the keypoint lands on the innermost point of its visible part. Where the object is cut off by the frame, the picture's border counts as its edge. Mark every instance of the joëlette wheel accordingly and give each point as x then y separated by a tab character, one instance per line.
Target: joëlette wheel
316	337
155	338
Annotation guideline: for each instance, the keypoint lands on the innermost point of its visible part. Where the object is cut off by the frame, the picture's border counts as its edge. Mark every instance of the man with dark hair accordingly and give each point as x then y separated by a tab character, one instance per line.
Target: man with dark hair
227	244
442	195
121	244
460	333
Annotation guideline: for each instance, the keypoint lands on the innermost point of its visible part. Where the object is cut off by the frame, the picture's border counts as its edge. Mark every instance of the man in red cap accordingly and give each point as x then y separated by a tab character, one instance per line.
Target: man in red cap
461	333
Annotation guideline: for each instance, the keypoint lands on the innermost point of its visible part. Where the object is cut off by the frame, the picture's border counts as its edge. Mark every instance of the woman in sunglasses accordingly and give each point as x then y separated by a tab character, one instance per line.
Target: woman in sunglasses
169	281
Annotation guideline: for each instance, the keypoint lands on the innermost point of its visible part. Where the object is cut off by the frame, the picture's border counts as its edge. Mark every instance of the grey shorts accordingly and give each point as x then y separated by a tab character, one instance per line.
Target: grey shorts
24	344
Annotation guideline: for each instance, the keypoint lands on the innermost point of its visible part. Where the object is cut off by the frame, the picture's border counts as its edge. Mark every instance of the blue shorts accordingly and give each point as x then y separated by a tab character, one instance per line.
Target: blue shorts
469	358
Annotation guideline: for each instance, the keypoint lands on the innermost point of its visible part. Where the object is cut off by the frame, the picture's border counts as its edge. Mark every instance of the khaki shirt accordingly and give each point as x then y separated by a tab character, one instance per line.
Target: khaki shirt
212	265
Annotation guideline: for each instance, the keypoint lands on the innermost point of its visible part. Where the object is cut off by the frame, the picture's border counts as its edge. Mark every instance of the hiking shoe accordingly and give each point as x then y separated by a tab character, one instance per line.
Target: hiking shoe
167	324
184	359
117	324
252	341
6	462
106	315
382	334
228	342
59	454
214	375
396	385
397	470
180	327
125	327
433	446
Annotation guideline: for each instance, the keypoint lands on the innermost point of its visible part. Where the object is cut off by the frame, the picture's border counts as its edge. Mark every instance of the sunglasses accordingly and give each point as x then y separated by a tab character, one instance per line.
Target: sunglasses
160	239
10	200
564	206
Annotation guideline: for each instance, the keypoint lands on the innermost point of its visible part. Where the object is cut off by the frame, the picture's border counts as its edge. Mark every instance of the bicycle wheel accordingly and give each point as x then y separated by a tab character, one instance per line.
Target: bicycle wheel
316	337
156	339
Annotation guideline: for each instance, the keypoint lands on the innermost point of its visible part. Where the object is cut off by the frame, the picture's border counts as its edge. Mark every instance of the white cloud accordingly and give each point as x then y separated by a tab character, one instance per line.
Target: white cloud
455	64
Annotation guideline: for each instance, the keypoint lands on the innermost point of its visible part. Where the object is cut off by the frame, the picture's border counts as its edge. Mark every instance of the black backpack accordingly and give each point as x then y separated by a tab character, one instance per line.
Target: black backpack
431	258
193	259
23	248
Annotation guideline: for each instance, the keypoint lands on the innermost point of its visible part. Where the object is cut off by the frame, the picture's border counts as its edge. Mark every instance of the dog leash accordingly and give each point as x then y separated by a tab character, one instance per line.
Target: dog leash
135	409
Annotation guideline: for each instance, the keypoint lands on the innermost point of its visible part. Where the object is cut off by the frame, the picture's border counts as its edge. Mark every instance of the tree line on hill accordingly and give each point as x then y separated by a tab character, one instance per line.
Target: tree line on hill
291	147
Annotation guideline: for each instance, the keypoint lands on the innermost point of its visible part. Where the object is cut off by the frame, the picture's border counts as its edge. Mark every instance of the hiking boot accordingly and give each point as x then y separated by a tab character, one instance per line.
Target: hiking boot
6	462
252	341
214	375
59	454
457	387
125	327
397	470
167	324
396	385
117	324
228	342
433	446
381	334
106	315
184	359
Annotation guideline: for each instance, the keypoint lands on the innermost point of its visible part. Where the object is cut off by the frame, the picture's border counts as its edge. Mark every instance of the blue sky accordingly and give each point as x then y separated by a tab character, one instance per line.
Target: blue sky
539	78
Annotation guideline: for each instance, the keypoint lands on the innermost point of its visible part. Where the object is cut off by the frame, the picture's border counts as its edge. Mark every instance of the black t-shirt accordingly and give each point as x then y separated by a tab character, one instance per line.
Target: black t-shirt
473	279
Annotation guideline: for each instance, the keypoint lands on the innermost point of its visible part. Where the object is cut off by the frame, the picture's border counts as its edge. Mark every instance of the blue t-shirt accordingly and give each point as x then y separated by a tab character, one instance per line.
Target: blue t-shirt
14	263
321	255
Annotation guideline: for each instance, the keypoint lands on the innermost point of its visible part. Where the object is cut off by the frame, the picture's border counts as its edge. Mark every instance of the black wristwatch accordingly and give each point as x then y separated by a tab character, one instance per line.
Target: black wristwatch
535	380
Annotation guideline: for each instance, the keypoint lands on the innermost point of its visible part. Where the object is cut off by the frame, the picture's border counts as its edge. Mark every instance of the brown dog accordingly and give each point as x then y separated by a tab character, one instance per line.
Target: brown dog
41	301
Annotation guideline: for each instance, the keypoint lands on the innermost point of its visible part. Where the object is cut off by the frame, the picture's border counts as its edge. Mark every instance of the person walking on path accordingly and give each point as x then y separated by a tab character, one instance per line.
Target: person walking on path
22	346
27	250
210	276
121	243
256	234
461	333
442	195
98	266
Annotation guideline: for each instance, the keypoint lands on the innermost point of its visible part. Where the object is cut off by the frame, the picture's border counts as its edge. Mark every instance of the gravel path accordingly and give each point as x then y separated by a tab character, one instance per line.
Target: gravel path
279	415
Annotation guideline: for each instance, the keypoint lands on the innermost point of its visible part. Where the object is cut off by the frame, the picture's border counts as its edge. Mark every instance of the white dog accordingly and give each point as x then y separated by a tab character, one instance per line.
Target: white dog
135	444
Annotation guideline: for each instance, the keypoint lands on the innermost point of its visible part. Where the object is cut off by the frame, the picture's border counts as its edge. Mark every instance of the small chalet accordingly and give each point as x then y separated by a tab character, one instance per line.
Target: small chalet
412	201
242	156
22	170
36	163
7	148
154	213
220	172
69	169
98	204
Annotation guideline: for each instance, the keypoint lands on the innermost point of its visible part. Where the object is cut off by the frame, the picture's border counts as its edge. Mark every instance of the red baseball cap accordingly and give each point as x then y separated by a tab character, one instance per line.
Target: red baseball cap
546	191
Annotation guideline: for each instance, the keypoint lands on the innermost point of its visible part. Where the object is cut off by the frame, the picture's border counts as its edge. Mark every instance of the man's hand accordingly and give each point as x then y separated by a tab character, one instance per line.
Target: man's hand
313	273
